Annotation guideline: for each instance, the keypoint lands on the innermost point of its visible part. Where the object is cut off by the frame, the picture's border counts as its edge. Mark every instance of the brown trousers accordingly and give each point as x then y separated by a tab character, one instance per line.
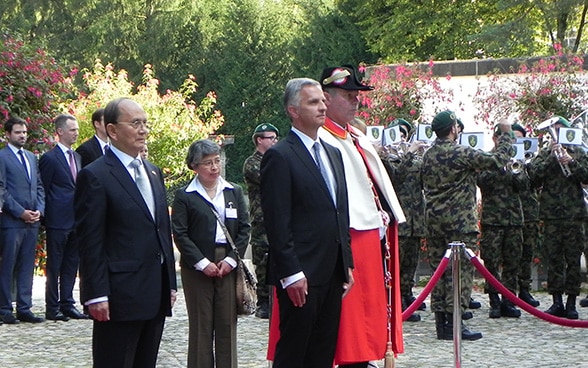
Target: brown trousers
212	318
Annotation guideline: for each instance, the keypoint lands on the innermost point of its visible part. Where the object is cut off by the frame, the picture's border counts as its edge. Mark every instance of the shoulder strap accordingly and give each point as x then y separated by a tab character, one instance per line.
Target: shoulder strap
227	235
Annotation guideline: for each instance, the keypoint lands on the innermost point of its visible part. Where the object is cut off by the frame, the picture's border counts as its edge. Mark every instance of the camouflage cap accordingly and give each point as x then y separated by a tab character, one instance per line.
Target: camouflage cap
443	119
266	127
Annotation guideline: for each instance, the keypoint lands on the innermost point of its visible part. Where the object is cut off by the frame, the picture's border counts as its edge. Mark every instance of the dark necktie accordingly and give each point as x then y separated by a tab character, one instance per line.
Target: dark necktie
72	165
144	187
317	155
24	162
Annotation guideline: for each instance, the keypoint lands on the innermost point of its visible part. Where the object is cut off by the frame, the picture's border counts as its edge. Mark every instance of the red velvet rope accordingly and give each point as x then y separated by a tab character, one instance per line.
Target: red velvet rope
427	290
513	298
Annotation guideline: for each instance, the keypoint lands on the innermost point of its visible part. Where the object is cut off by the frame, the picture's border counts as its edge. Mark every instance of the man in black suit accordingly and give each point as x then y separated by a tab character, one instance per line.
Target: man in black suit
94	147
304	201
59	168
127	275
24	204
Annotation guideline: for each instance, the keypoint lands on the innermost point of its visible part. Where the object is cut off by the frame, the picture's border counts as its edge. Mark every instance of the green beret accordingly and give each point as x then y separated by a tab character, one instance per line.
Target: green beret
563	121
460	123
403	125
266	127
443	119
519	128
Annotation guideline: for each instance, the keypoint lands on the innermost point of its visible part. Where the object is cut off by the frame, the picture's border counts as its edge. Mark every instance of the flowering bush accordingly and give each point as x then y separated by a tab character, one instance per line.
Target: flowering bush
31	86
401	91
549	86
176	120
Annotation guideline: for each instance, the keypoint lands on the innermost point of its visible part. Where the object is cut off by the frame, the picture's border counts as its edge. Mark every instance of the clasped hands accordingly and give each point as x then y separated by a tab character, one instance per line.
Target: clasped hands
30	216
219	269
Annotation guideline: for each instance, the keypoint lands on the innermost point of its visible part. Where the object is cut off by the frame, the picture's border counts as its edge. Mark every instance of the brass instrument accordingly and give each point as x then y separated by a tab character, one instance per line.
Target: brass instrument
515	166
395	151
558	150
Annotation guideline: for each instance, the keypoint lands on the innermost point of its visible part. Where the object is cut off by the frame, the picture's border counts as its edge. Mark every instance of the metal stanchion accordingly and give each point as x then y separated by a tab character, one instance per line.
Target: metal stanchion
456	248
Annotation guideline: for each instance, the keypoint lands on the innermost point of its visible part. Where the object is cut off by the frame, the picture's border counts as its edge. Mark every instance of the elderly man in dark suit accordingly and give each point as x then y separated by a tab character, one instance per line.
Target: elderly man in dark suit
127	275
94	147
59	168
304	201
24	204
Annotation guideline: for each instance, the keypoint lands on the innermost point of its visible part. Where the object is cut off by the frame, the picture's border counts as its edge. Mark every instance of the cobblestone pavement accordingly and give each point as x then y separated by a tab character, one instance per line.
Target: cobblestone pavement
523	342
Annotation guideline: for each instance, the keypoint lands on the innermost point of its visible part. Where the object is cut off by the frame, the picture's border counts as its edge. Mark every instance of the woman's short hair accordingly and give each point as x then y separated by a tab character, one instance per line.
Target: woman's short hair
199	149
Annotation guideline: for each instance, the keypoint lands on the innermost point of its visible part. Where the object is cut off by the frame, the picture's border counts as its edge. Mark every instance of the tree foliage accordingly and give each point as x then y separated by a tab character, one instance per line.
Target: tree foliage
534	92
32	85
176	119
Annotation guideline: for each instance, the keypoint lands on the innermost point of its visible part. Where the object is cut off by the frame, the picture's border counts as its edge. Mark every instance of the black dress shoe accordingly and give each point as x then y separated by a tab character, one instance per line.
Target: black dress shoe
9	319
29	317
467	315
56	316
73	313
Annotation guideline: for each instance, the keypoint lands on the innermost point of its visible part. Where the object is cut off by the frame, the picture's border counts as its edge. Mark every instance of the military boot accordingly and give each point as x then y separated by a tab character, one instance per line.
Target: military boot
466	333
494	311
571	312
584	302
474	304
507	309
413	317
440	322
557	309
411	299
526	296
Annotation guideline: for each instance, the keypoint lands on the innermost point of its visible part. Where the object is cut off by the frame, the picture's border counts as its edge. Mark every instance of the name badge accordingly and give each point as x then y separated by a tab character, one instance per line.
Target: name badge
231	212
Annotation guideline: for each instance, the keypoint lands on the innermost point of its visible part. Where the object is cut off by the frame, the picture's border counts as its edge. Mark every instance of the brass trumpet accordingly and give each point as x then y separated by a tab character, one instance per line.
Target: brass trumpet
515	166
558	152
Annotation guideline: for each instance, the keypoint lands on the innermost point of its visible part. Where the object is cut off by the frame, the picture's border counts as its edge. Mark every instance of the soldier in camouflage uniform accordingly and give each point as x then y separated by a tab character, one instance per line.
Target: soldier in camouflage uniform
405	169
264	136
563	211
530	202
501	221
449	181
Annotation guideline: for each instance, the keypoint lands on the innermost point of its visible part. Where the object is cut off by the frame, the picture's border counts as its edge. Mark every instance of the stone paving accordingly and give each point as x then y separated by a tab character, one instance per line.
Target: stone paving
523	342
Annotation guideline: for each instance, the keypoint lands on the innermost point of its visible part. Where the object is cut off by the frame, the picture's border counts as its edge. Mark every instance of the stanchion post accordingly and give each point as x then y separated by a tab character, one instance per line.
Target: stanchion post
456	248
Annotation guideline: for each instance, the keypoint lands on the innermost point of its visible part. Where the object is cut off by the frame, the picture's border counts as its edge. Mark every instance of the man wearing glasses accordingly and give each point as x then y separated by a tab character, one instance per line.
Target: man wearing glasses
264	136
127	272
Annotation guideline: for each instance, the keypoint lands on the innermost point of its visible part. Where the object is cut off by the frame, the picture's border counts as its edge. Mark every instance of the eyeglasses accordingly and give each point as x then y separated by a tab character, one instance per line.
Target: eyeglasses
209	163
136	124
274	138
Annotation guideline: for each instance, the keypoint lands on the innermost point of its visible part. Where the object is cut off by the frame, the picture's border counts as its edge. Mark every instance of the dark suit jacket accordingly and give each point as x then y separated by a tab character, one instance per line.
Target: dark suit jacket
120	243
21	193
194	225
306	232
59	188
90	151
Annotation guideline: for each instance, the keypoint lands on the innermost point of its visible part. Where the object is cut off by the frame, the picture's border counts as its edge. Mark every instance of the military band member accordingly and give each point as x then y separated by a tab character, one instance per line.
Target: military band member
530	202
501	222
404	166
449	182
563	212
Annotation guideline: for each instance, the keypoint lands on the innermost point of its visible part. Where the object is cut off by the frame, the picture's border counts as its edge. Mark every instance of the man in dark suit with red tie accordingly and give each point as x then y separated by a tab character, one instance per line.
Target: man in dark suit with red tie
59	168
127	273
94	147
304	201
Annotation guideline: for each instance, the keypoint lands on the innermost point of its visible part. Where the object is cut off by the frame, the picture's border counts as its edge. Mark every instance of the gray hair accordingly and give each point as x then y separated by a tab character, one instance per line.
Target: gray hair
61	120
199	149
293	88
